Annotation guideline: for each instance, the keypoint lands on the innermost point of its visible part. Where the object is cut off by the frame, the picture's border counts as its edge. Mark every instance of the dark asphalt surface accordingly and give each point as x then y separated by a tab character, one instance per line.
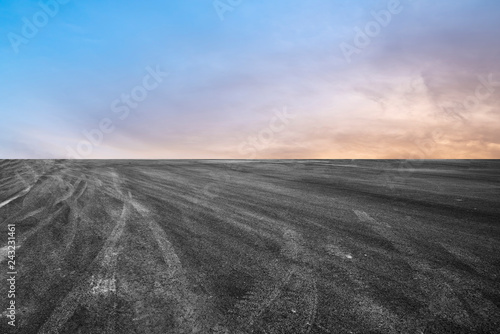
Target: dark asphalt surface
276	246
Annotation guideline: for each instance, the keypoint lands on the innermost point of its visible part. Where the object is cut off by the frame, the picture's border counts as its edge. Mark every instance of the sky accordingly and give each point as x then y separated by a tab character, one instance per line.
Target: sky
245	79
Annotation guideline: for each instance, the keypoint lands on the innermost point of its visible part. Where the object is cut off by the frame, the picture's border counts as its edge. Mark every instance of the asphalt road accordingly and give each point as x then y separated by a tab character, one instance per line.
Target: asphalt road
277	246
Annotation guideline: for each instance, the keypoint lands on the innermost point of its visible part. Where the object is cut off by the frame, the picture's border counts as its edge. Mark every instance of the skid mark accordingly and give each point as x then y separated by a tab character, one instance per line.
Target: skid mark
78	189
25	216
234	220
294	247
444	302
110	245
168	252
461	253
115	194
23	237
173	283
355	301
102	283
23	180
116	183
337	251
19	173
27	185
20	194
65	310
105	280
258	301
365	218
4	252
69	192
32	213
44	191
140	208
103	286
81	191
294	290
386	231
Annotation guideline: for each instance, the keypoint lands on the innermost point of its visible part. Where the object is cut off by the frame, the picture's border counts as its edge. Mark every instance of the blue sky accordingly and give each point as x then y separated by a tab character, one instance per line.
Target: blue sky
410	92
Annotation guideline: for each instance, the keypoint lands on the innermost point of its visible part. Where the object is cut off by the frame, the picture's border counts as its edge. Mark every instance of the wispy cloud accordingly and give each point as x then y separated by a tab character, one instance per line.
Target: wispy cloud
417	76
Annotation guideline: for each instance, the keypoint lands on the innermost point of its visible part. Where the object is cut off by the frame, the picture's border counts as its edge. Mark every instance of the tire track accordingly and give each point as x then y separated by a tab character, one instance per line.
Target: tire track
91	287
386	231
104	281
49	216
294	292
18	195
443	300
28	186
25	216
306	281
174	283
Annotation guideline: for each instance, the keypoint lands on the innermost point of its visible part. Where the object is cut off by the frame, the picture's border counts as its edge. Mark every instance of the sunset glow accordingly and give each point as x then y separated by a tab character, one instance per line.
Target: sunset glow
250	79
